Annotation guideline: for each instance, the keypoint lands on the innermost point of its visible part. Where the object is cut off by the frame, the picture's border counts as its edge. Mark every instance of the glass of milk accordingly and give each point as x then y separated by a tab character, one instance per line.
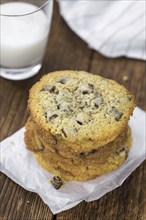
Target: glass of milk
24	33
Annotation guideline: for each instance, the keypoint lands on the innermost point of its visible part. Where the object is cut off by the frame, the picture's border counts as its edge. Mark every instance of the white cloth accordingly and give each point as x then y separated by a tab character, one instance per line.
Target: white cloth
114	28
20	165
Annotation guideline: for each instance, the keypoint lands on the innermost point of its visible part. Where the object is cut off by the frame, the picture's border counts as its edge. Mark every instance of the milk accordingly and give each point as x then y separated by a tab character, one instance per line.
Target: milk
23	38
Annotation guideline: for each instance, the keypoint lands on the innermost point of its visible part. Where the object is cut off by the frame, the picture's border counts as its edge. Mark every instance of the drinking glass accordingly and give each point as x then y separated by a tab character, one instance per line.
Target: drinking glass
25	27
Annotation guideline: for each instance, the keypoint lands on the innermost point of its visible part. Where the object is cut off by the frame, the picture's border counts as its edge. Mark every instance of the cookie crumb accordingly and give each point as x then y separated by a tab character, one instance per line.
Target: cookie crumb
56	182
125	78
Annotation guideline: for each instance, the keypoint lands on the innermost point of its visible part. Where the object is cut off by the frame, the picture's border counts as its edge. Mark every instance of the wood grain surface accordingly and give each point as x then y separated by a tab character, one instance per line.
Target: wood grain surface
66	51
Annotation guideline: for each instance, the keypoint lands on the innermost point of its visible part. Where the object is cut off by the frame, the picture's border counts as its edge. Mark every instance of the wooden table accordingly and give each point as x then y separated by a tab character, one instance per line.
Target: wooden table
66	51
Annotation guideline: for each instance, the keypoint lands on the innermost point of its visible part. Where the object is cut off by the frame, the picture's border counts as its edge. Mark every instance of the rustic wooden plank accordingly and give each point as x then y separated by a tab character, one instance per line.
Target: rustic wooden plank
17	203
64	51
128	202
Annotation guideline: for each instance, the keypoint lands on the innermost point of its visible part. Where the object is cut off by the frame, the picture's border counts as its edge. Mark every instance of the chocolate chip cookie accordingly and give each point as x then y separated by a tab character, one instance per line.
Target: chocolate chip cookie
79	109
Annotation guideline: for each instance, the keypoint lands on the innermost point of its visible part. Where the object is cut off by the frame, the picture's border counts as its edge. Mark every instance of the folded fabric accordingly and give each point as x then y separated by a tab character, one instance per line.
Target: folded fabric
114	28
21	166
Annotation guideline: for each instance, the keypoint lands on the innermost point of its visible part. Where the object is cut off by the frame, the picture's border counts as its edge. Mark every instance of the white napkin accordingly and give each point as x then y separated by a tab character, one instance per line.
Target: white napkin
114	28
20	165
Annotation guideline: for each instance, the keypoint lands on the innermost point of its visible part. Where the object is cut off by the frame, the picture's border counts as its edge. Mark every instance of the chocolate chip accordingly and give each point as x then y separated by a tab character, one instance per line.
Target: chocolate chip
85	154
115	113
49	88
52	117
63	80
79	122
98	101
58	106
56	182
93	151
122	150
63	106
65	135
45	115
85	92
118	116
129	98
90	86
82	154
87	88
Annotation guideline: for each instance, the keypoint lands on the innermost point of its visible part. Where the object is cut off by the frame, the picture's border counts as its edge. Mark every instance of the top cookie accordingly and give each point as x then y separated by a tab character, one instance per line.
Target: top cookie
80	107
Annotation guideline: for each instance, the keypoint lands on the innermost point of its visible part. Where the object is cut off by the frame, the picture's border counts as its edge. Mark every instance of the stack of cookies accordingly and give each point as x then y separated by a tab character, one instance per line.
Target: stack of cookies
78	125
